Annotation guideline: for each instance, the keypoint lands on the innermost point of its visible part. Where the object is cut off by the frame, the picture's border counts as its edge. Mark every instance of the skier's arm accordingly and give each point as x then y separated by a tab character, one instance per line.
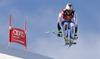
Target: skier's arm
75	18
59	28
60	17
59	20
75	21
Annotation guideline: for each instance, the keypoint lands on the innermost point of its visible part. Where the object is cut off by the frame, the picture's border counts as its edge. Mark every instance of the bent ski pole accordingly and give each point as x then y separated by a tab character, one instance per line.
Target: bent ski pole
52	32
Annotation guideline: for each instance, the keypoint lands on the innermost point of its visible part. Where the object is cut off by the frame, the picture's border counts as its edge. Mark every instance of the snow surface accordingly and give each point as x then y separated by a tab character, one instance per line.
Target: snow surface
7	52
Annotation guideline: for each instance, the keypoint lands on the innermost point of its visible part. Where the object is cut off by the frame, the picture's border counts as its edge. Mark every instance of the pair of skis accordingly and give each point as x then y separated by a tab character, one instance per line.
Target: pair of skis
70	44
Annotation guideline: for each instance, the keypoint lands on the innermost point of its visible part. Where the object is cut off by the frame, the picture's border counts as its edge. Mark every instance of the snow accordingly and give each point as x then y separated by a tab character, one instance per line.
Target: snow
7	52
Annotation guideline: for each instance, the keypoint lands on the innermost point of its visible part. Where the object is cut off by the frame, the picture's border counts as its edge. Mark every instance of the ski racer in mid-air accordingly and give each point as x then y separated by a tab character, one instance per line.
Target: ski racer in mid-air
67	15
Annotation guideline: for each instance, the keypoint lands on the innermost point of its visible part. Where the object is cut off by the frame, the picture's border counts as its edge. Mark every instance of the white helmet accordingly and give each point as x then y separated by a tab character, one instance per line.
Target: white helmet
69	6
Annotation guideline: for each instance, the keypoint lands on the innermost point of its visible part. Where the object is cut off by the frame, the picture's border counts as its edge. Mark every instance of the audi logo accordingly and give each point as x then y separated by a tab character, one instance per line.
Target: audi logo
18	33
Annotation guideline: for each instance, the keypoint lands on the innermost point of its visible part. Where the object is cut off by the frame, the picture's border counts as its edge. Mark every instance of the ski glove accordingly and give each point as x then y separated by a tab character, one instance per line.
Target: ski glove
59	33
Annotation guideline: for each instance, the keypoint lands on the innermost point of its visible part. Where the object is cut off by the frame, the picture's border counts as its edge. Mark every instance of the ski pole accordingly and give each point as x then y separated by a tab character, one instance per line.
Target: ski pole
52	32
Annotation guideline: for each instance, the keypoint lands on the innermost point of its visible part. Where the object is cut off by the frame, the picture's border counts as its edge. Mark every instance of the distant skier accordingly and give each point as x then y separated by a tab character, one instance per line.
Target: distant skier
67	15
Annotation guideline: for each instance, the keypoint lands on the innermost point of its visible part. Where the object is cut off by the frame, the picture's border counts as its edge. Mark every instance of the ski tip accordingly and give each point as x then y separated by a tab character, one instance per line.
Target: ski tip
52	31
49	31
46	32
70	45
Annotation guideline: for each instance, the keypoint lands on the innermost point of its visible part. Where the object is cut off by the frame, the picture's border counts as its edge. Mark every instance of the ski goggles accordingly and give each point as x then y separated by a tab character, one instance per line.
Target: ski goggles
69	11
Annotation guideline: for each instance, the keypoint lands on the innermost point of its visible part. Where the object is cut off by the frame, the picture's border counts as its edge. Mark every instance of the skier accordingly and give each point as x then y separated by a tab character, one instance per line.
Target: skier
67	15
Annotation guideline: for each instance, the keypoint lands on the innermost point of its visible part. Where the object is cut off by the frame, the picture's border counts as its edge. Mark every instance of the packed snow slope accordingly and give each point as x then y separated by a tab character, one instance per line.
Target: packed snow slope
7	52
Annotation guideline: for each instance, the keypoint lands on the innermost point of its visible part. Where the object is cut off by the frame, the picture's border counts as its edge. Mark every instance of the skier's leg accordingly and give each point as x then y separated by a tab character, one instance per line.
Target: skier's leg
65	28
72	31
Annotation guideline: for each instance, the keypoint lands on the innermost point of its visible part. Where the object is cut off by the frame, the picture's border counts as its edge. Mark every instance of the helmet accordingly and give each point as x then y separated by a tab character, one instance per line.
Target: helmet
69	7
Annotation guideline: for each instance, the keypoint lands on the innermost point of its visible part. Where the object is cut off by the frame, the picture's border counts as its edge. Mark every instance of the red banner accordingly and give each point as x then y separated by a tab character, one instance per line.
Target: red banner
18	36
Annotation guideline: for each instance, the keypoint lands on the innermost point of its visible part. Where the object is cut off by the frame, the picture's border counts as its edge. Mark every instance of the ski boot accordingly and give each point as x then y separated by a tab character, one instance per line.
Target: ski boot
66	41
72	41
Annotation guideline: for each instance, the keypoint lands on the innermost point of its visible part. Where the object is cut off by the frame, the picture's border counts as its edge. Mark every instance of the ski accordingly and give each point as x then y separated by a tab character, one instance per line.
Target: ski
72	44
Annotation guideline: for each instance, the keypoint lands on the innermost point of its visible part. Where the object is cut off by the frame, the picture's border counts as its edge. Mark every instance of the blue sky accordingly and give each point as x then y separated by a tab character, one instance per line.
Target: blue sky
41	16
